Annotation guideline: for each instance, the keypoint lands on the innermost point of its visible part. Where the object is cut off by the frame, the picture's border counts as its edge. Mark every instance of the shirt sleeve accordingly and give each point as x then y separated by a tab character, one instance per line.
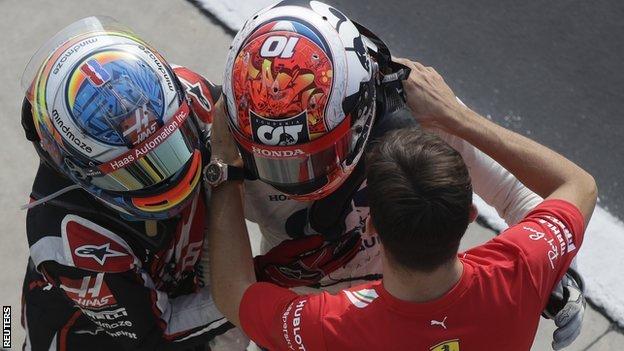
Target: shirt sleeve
279	319
547	239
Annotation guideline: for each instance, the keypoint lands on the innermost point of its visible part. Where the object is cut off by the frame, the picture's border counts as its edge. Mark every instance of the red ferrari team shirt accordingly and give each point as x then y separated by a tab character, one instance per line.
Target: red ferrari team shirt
496	305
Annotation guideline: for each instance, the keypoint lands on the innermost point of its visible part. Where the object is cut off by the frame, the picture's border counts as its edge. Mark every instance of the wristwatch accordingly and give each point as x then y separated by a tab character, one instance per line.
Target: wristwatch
217	172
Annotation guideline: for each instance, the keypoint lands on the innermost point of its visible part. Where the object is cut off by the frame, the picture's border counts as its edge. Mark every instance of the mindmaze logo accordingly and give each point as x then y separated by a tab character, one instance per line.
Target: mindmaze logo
6	326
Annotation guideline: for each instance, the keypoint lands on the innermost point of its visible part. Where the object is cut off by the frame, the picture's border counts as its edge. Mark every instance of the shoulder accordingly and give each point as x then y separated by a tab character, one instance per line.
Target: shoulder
340	316
554	225
341	304
71	228
202	93
74	241
534	253
279	318
551	219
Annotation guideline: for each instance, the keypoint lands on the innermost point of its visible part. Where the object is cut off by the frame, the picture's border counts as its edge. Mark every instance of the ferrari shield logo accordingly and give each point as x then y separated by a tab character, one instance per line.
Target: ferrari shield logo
449	345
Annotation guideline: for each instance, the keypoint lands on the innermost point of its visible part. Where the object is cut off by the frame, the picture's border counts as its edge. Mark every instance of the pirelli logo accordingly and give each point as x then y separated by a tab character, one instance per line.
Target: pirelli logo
6	327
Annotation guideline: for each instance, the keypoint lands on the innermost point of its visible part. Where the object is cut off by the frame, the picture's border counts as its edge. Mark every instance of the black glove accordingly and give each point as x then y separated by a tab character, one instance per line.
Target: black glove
567	308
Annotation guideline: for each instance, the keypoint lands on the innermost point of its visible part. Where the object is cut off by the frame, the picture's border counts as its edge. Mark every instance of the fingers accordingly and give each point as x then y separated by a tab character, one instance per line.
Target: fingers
433	72
413	64
417	67
569	320
564	336
402	61
409	63
573	308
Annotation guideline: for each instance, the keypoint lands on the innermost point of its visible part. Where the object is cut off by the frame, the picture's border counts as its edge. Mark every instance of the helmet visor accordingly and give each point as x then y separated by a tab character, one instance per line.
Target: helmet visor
298	169
70	35
154	160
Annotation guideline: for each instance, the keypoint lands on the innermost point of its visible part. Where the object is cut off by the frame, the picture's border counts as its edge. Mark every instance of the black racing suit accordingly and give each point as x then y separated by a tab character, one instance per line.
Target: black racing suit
99	281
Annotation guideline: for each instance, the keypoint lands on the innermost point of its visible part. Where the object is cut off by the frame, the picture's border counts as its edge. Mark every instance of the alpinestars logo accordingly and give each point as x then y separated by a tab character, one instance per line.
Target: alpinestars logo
197	92
361	298
98	253
280	132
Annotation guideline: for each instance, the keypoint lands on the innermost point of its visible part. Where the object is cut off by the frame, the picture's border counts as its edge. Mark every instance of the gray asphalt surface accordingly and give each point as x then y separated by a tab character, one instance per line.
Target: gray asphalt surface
553	70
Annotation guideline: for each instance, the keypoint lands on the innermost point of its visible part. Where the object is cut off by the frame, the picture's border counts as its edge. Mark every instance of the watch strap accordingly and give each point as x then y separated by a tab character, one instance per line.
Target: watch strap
235	173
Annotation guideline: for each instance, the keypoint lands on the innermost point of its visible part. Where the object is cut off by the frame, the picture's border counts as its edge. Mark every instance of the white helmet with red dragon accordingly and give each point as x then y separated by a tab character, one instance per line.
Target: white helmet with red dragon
301	83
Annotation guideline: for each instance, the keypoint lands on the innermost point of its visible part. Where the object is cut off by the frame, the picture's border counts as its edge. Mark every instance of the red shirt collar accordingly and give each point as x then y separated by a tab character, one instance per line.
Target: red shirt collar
441	303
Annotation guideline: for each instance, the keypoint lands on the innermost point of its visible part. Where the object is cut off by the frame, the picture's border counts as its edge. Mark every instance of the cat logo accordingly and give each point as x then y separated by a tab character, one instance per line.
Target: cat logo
449	345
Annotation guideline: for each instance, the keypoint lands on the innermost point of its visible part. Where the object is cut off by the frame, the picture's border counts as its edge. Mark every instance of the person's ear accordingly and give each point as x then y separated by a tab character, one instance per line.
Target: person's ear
473	213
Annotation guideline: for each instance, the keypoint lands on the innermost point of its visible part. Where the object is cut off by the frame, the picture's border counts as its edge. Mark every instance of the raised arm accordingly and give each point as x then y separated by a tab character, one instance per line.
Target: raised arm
492	182
230	258
542	170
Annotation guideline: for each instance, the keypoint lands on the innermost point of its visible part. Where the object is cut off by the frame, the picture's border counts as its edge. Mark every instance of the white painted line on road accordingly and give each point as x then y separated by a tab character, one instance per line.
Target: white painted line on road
233	13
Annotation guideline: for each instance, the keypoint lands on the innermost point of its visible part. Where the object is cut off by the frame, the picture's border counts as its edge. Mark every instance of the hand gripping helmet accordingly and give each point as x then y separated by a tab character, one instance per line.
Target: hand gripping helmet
111	115
301	84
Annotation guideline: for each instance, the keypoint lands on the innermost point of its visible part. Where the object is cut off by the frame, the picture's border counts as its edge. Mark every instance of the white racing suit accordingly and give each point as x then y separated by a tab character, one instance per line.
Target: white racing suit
281	218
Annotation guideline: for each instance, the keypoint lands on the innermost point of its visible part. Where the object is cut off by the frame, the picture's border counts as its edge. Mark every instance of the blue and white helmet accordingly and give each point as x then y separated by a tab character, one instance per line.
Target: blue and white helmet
112	117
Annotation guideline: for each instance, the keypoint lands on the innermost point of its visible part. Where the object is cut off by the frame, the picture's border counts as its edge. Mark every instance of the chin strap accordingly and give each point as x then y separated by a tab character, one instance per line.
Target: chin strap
390	93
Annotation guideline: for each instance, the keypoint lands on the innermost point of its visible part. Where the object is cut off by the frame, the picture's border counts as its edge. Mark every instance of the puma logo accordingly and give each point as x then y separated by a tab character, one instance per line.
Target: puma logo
434	322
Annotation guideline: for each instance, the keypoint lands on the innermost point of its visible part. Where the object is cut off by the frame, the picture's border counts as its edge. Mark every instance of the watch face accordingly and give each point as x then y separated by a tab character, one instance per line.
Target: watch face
213	173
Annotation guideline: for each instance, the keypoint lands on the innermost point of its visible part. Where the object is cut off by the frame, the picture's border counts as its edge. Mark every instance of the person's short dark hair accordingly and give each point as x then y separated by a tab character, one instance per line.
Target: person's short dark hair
420	195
